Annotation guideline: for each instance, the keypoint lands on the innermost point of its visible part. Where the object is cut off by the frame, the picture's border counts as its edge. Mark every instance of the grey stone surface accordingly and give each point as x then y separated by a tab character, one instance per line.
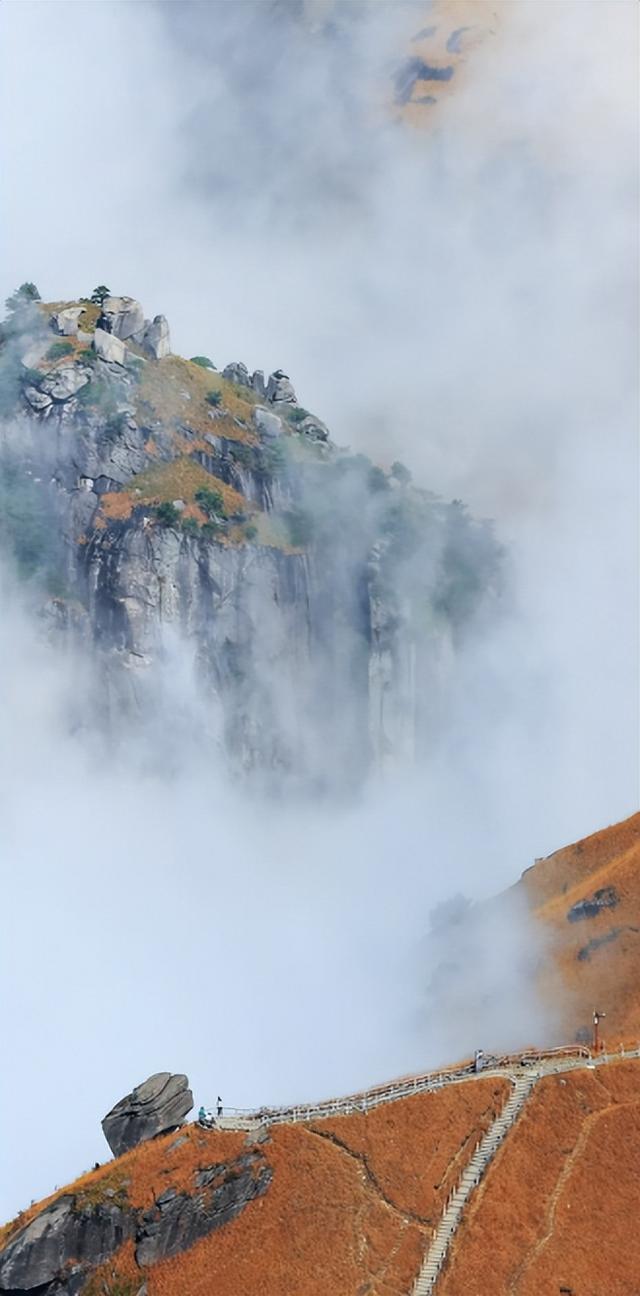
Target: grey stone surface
159	1104
155	339
267	423
122	316
280	389
109	347
313	428
65	322
237	372
39	1253
38	400
62	384
178	1221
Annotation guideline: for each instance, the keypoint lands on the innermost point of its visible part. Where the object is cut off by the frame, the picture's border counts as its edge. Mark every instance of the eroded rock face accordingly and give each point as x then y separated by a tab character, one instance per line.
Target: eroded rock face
178	1220
122	316
65	322
62	1234
109	347
280	390
156	338
64	383
154	1107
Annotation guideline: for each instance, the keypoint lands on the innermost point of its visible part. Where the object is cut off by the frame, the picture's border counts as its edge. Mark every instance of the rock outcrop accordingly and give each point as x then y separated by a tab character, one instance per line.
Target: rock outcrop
55	1253
161	1103
65	322
155	338
122	316
64	1235
280	390
109	346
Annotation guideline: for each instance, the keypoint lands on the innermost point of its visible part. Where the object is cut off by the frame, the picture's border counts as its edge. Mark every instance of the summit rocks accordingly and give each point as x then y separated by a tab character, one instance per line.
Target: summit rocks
154	1107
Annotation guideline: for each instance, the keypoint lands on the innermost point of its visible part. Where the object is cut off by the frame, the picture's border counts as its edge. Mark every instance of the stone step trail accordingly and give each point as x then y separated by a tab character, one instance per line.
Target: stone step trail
470	1177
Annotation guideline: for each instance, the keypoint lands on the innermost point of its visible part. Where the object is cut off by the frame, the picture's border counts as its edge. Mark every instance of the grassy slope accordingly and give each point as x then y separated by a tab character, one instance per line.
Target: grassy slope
349	1209
606	976
555	1213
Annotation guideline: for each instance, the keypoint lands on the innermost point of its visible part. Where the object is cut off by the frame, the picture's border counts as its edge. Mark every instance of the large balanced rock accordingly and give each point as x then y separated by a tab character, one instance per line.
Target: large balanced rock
122	316
154	1107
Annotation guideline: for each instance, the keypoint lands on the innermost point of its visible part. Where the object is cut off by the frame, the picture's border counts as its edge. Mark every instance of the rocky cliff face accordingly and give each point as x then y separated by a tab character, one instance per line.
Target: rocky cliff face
321	599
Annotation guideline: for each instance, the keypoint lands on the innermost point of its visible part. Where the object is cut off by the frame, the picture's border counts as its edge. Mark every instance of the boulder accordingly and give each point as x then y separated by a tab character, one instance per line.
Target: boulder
267	423
62	384
65	322
313	428
154	1107
122	316
280	389
258	383
109	347
237	372
36	399
155	338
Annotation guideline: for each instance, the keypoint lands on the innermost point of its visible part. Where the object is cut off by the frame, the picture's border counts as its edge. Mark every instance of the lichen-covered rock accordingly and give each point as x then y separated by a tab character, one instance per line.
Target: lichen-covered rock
313	428
159	1104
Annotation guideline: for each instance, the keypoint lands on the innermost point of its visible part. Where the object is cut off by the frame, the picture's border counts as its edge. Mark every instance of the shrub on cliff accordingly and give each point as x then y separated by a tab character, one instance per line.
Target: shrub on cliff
214	398
58	350
167	514
210	501
203	361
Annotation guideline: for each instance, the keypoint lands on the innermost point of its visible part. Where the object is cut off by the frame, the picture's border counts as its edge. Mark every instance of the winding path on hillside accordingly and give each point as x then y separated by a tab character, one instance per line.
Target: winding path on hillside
523	1070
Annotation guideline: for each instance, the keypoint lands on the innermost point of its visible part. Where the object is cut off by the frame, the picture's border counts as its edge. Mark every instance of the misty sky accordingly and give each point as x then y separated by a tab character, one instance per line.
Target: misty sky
462	297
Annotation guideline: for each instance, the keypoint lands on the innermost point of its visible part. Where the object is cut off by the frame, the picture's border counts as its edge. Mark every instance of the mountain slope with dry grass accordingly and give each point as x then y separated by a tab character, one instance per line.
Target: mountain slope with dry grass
587	897
347	1205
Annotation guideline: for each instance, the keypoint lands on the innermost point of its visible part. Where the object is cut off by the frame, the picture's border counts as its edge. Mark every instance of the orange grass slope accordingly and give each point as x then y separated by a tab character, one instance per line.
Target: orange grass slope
556	1212
587	896
349	1209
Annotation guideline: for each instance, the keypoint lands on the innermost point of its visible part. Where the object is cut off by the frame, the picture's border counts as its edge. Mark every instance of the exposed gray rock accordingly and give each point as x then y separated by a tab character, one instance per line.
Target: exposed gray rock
122	316
36	349
159	1104
313	428
267	423
65	322
156	338
109	347
178	1220
237	372
258	383
604	898
41	1251
280	389
37	399
62	384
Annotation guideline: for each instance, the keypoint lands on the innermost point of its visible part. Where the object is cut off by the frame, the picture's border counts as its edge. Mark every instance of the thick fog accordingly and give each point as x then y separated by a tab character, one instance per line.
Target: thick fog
460	296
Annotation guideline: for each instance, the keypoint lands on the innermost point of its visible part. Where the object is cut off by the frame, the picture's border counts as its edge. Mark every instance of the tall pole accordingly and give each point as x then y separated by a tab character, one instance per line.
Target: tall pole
597	1018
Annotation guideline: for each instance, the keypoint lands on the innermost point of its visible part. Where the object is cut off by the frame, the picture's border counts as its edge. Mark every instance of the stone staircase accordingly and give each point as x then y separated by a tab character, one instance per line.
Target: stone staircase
471	1175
